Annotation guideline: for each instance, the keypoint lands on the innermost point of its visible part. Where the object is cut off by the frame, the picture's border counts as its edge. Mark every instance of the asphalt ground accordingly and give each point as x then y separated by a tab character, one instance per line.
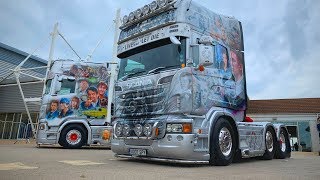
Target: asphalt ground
25	161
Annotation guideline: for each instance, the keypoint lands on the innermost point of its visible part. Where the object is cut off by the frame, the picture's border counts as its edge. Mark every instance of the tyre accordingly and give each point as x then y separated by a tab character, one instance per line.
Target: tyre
283	149
270	142
222	143
73	136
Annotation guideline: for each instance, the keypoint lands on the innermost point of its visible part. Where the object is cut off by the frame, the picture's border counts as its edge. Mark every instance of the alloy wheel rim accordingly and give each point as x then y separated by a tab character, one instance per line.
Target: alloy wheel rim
73	137
269	141
225	141
282	142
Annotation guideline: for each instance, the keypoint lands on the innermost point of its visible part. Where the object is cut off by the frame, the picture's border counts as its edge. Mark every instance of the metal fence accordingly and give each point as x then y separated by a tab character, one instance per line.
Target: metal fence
15	126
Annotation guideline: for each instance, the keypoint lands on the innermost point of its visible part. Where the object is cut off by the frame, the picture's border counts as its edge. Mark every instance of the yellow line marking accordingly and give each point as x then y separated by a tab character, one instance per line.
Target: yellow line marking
15	166
81	163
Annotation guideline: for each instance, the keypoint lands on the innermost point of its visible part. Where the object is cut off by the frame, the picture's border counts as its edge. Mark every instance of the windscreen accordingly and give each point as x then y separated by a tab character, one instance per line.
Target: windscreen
153	57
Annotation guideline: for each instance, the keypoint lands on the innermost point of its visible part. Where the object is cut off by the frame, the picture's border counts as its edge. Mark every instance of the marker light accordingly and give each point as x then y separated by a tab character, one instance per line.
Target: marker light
153	5
145	9
201	68
131	16
187	128
162	3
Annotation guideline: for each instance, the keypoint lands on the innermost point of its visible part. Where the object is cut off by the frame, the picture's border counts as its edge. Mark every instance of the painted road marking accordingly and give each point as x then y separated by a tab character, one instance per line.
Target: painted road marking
81	163
15	166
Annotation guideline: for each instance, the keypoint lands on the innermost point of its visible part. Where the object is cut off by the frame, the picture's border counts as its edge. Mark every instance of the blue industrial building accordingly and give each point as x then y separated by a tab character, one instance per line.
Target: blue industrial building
13	119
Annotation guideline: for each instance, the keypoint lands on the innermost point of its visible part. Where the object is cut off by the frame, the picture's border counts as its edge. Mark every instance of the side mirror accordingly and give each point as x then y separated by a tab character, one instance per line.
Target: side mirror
175	40
203	55
71	78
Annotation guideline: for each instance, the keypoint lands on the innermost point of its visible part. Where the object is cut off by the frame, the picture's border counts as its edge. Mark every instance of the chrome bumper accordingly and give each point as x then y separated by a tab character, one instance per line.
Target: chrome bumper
164	149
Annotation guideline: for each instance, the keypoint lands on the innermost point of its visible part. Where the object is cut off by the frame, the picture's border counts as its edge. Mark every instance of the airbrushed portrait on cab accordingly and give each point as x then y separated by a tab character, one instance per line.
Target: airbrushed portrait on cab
86	95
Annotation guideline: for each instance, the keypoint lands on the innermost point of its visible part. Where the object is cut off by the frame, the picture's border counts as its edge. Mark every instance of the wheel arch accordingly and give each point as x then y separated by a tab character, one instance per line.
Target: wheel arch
82	123
214	118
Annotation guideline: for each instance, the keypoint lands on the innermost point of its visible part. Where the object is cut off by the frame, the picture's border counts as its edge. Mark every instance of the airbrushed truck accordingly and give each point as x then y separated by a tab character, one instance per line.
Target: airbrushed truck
181	89
74	107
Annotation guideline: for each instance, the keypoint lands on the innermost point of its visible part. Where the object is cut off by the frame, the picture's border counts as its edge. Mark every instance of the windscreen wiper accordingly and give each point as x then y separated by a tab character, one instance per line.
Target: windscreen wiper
132	74
157	69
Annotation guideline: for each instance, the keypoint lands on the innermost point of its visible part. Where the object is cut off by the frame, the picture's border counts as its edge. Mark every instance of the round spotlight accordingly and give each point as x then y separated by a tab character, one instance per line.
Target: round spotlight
125	19
138	129
145	10
138	13
126	130
147	130
153	5
118	129
162	3
131	16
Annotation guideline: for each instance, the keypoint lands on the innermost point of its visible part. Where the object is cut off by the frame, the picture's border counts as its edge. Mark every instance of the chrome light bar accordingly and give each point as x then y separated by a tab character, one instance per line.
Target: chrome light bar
146	11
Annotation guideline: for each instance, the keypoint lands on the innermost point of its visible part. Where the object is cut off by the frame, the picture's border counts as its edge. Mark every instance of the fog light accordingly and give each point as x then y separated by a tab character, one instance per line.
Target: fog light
179	138
169	137
118	129
147	130
126	130
138	129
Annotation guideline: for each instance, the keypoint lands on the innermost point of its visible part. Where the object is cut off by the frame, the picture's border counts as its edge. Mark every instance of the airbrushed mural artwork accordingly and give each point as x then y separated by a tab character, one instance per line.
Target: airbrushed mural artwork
84	95
226	30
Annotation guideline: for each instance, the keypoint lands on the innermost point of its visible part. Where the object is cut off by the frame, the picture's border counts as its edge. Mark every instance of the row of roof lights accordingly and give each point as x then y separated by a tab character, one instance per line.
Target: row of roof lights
145	10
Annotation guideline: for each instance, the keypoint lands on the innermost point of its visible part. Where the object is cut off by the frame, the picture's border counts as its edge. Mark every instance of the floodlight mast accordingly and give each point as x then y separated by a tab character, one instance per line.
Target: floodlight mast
53	39
113	64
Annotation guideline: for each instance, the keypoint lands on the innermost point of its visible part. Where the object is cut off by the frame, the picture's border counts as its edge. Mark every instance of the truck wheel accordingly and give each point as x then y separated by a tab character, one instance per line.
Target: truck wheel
222	143
270	142
73	136
283	150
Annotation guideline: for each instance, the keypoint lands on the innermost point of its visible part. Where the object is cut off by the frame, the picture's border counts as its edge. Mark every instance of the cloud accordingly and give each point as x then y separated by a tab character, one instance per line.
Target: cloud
281	37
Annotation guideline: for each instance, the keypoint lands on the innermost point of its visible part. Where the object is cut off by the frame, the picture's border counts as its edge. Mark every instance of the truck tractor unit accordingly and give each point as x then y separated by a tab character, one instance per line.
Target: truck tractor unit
181	91
74	106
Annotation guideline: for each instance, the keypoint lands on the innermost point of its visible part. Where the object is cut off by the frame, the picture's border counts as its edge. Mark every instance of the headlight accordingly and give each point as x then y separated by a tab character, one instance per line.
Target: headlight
118	129
138	129
147	130
126	130
42	126
153	5
174	128
179	128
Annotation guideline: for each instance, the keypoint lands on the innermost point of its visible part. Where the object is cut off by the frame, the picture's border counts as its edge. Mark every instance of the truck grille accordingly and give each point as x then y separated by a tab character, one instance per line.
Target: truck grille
141	102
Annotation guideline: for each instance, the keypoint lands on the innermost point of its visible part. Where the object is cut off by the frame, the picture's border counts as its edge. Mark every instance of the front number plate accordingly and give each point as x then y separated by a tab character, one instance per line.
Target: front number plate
138	152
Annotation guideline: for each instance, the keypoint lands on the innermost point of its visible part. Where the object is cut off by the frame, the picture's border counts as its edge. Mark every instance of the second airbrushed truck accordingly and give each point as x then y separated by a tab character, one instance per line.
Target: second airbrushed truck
181	89
74	107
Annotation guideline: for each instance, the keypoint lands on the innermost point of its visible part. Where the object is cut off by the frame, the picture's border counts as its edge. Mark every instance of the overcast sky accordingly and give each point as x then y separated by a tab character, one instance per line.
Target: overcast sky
281	38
